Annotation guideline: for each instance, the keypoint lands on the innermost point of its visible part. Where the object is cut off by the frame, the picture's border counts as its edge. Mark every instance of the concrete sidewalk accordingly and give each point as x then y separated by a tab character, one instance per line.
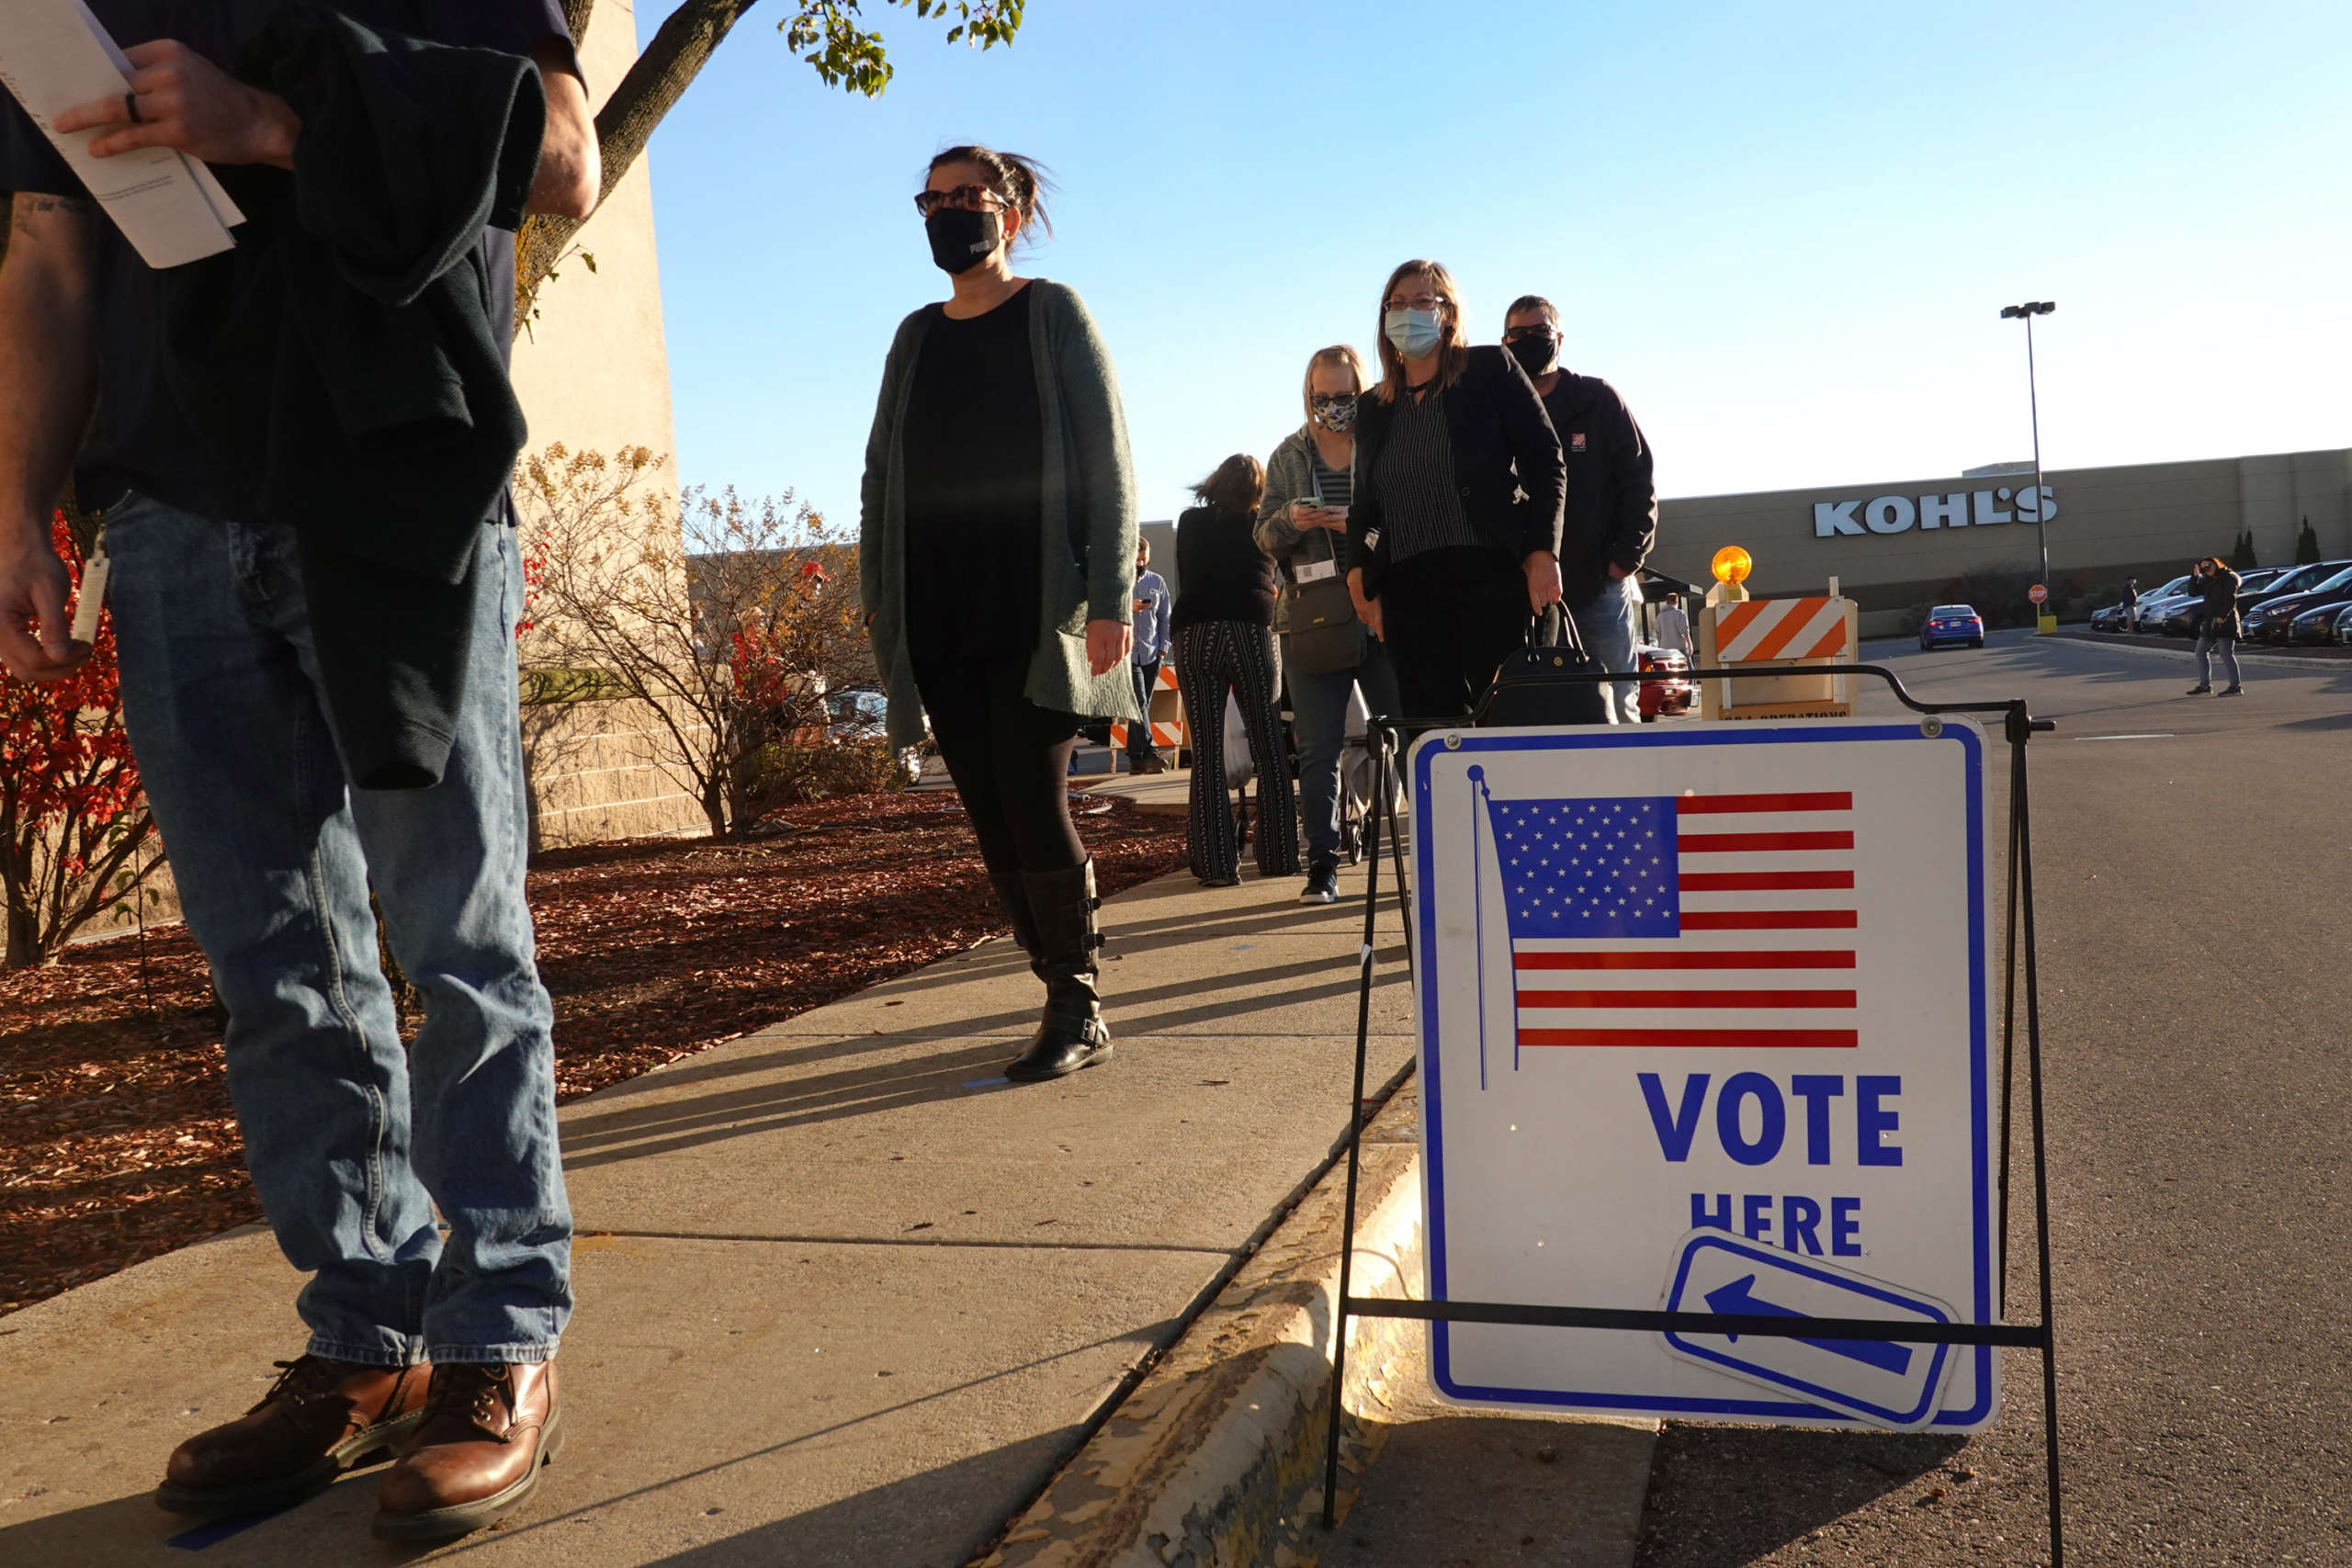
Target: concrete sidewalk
845	1296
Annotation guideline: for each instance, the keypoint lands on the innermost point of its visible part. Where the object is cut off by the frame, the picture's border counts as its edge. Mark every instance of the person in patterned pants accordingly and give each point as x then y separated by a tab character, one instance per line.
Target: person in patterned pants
1225	643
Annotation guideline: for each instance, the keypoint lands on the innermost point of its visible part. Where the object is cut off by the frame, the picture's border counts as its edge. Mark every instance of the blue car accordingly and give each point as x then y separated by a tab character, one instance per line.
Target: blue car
1951	622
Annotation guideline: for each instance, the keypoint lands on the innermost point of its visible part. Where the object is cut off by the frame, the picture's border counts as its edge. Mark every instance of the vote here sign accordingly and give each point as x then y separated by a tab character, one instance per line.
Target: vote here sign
1704	1018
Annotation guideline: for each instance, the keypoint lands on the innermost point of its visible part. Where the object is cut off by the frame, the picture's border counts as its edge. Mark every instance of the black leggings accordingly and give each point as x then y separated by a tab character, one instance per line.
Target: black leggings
1010	760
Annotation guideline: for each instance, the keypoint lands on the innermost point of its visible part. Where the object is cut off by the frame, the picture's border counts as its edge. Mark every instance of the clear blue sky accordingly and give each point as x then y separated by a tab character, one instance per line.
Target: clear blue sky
1783	231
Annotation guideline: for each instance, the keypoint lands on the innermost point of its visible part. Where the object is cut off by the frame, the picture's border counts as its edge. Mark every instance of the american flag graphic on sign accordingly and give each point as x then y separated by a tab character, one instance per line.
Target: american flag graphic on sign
1691	920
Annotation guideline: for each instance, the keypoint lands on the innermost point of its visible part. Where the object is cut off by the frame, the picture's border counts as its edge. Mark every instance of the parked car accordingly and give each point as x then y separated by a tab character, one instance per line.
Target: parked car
2317	625
2268	619
2158	603
1663	696
863	713
1951	622
2185	613
2344	625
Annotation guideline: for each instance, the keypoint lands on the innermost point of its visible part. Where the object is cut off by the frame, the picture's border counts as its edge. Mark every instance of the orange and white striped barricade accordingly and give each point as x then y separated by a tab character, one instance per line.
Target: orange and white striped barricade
1167	717
1782	634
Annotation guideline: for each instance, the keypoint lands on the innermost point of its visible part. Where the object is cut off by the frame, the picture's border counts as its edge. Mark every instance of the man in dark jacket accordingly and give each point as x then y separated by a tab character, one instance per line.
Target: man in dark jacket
352	1141
1612	499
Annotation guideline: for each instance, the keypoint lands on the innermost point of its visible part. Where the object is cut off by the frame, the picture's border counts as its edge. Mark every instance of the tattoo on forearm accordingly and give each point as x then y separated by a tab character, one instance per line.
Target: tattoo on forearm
27	203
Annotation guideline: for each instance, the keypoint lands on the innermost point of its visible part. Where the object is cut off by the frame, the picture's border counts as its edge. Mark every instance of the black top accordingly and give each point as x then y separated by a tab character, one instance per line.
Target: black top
141	439
1507	465
1417	484
975	456
1612	497
1226	576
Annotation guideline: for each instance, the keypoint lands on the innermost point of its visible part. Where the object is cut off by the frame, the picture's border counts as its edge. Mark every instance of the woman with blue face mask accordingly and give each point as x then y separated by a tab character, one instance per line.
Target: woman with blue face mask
1454	537
997	559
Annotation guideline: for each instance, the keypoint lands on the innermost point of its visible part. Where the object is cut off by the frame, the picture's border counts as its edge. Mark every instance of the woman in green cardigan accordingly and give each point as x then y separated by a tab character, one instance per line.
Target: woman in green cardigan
998	548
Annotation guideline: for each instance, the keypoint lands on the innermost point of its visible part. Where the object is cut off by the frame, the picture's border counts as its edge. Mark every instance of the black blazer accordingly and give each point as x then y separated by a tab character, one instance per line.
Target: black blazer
1506	458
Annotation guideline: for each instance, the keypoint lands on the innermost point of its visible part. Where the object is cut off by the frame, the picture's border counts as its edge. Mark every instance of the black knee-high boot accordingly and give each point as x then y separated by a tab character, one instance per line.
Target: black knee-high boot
1072	1034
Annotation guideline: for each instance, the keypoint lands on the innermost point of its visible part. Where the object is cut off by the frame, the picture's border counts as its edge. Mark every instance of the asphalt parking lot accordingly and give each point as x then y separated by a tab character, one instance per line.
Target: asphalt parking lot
2195	902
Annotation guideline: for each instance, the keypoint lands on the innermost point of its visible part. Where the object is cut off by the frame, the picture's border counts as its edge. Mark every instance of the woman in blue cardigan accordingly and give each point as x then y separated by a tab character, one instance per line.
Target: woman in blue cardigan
998	548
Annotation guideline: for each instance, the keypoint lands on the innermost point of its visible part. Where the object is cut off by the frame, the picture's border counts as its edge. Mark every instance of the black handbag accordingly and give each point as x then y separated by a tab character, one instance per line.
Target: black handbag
1536	685
1324	635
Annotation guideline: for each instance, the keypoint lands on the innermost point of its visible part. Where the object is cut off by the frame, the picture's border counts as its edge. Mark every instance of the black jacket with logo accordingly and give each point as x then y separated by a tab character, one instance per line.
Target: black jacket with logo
1612	497
1506	458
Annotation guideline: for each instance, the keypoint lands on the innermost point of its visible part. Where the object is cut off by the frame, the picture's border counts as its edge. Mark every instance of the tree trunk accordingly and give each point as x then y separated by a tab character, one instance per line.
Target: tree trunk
714	804
24	942
661	75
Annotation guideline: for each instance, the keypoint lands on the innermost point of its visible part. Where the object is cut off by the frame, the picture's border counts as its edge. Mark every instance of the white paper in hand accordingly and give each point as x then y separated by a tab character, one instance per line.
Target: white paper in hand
56	55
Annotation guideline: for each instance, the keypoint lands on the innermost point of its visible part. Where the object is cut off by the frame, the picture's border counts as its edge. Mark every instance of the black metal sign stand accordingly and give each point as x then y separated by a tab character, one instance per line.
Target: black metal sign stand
2018	724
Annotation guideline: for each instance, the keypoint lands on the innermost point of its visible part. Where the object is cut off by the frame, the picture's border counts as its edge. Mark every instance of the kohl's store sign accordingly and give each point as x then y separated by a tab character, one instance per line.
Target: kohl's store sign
1960	509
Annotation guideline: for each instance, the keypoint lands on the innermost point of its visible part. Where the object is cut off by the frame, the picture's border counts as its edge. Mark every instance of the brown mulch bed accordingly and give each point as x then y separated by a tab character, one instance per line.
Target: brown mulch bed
117	1141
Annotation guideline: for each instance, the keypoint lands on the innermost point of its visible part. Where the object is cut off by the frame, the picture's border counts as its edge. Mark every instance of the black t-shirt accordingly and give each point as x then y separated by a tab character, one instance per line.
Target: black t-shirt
141	439
1226	576
975	455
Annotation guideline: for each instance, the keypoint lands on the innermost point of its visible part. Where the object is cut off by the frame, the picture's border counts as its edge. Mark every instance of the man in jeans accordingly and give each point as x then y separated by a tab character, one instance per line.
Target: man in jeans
351	1140
1612	499
1674	627
1150	652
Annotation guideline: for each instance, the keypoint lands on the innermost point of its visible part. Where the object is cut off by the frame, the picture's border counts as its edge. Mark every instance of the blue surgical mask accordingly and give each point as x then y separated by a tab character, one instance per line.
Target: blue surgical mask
1415	333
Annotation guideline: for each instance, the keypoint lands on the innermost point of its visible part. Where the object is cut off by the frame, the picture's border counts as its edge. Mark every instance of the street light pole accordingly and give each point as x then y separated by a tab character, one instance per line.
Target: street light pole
2027	312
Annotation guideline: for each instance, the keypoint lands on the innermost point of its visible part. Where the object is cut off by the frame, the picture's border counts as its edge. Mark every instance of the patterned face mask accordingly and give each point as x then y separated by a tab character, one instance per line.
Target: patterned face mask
1335	412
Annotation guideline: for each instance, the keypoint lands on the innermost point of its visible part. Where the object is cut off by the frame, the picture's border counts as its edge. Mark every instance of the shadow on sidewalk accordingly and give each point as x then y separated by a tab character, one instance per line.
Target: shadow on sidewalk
1727	1496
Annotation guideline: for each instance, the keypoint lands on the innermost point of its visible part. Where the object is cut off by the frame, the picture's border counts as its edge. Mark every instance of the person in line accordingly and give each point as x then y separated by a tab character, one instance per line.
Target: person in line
2217	627
1674	625
1225	643
285	795
1613	498
1302	524
1151	651
1454	537
998	548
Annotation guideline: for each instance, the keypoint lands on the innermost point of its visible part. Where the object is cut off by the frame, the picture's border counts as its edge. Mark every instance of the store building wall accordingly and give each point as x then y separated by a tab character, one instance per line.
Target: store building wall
1894	544
593	371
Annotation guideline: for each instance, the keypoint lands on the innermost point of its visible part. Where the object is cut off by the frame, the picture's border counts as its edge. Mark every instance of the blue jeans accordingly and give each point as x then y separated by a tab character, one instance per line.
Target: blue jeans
1139	734
1318	710
350	1139
1609	626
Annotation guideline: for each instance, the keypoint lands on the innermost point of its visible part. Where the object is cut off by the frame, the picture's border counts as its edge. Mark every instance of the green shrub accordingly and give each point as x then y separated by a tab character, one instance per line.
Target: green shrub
787	774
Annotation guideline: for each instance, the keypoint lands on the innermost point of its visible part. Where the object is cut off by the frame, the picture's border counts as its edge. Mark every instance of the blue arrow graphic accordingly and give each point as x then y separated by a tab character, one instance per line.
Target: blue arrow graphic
1739	1297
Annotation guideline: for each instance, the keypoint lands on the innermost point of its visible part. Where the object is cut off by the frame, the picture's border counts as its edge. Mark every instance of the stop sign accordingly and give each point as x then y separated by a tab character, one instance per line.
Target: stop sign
2037	593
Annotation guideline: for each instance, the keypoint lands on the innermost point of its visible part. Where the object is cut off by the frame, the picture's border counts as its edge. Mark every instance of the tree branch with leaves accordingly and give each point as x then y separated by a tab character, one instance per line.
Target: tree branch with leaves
829	36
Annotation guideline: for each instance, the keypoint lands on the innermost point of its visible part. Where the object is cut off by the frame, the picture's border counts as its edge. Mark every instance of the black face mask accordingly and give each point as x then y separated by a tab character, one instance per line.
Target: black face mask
962	239
1536	355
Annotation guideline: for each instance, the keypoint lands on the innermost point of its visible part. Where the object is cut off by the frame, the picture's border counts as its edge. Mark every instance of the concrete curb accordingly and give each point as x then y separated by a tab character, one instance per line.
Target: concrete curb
1216	1459
2317	661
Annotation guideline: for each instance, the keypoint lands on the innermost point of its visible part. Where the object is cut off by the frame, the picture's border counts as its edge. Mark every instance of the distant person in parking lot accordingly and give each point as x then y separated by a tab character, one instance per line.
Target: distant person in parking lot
2218	627
1674	625
2131	603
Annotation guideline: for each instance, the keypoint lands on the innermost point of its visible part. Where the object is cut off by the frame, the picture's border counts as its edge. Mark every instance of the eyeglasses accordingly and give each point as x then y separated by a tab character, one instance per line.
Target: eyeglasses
1534	330
1417	302
970	199
1322	401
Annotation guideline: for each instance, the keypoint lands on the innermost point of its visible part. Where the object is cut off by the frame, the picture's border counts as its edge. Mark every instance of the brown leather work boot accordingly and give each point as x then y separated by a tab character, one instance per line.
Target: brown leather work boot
317	1420
487	1431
